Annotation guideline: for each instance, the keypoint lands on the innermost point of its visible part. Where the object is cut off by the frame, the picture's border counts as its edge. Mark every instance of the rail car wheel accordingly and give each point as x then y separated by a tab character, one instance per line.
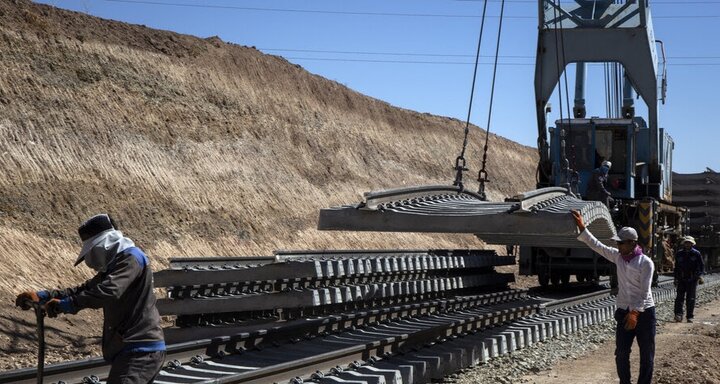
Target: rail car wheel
543	279
565	278
555	278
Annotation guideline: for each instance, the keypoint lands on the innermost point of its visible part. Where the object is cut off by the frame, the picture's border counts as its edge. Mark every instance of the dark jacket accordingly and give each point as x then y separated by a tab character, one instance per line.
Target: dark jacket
125	293
596	190
688	264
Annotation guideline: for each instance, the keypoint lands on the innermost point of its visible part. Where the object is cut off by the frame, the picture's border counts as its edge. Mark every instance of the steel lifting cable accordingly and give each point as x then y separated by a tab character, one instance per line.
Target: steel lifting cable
571	175
619	81
567	166
483	175
560	53
607	89
460	160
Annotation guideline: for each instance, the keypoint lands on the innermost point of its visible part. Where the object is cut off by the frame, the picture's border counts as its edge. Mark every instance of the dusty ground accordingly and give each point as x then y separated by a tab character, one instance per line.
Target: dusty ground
685	353
197	148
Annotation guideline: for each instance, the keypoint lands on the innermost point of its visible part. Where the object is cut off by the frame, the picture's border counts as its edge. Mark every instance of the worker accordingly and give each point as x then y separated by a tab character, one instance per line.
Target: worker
133	340
596	190
635	313
689	268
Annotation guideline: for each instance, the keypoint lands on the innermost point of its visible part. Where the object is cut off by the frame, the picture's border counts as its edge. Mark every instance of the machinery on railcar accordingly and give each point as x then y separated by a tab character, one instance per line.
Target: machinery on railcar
619	37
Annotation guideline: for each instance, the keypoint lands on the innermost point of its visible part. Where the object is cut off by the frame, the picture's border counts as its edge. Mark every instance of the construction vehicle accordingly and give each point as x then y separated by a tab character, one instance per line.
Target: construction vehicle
618	36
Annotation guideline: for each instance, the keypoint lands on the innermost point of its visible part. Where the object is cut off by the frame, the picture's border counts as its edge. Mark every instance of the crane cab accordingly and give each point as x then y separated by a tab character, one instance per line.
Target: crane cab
583	144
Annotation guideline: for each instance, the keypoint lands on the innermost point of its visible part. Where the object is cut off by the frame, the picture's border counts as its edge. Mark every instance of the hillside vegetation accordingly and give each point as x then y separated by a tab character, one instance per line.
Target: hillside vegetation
198	148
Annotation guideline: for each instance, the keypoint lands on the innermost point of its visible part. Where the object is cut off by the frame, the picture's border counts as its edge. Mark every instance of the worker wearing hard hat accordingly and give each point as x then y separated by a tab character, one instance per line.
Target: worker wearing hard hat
635	313
596	190
689	268
133	340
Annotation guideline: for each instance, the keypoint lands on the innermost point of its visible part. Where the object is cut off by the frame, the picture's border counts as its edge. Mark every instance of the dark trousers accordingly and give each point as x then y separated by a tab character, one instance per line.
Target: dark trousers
686	291
645	333
136	367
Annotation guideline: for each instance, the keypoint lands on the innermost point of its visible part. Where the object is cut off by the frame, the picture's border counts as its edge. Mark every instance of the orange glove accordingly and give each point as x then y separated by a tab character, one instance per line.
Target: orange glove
631	320
24	298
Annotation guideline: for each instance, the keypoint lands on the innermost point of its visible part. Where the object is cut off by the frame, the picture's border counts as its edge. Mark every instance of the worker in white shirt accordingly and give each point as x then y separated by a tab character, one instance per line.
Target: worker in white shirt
635	313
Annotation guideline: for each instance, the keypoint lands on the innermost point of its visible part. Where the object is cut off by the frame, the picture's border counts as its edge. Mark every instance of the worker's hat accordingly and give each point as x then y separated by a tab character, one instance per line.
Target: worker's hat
606	164
688	239
90	233
626	233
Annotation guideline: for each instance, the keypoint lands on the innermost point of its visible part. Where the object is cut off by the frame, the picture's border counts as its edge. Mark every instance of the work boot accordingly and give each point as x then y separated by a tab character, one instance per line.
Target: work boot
678	318
689	320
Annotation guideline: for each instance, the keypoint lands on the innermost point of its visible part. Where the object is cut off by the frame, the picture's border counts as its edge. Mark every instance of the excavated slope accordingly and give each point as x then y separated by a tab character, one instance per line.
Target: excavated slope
198	148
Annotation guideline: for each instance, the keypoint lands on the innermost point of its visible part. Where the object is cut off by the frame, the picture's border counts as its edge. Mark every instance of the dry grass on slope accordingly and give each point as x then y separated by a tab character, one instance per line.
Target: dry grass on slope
196	146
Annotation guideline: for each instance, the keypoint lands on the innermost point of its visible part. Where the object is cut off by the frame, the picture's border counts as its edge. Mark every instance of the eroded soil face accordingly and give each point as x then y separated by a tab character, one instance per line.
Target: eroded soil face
197	148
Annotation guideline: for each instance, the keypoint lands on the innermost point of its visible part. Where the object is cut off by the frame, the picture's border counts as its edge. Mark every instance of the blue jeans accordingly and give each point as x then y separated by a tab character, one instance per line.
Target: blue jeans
645	333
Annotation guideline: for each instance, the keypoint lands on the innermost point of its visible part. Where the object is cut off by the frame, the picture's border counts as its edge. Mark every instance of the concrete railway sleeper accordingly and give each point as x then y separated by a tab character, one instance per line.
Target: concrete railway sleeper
453	354
403	344
300	331
294	285
366	267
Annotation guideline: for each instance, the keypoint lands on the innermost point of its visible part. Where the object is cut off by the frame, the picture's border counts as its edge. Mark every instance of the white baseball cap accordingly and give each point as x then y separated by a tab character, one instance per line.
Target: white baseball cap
626	233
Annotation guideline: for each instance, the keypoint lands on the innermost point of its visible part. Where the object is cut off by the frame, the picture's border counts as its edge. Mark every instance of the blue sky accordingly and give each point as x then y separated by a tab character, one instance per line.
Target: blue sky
419	54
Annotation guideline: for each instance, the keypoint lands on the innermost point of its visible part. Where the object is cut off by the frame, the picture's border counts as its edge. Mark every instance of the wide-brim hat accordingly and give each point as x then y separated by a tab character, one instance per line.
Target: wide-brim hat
92	232
89	244
689	239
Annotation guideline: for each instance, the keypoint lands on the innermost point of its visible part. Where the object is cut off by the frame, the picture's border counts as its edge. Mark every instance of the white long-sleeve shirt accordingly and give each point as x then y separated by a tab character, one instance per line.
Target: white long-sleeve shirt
634	276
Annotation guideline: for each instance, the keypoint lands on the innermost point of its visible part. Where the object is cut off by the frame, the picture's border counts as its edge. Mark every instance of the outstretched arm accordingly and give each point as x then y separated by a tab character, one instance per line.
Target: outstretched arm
586	237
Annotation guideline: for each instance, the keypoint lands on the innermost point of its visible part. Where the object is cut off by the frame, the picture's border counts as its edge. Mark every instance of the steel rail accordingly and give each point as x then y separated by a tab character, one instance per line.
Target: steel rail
450	329
214	341
452	354
278	364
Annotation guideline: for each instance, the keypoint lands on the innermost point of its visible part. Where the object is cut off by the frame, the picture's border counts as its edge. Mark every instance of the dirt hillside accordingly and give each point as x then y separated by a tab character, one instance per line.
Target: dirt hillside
198	148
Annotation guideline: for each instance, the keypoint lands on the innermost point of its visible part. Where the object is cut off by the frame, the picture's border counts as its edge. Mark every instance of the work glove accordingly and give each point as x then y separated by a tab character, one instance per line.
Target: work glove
578	220
631	320
700	280
55	307
23	300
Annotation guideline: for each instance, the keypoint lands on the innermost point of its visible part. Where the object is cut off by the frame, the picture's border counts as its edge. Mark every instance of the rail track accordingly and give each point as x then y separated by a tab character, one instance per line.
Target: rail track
404	317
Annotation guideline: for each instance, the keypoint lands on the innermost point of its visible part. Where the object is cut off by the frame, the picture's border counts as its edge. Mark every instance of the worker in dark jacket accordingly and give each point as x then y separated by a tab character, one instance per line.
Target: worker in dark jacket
596	190
133	340
689	268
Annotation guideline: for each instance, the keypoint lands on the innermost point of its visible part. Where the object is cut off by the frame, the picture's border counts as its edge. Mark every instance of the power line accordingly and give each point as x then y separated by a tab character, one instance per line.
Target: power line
388	53
211	6
320	11
399	61
435	54
654	2
457	62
